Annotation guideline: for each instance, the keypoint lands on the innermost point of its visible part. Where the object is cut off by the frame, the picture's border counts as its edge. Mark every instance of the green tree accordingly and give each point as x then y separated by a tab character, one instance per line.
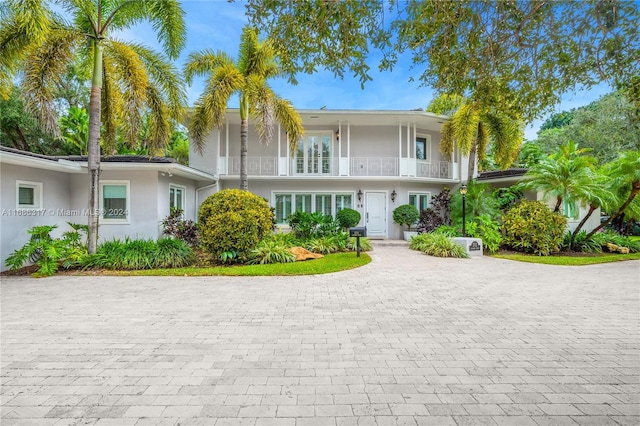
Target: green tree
19	129
608	126
530	51
126	78
75	130
247	77
474	127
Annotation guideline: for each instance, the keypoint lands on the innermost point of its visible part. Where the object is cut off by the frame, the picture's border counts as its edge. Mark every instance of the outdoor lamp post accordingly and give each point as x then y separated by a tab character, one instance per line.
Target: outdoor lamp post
463	192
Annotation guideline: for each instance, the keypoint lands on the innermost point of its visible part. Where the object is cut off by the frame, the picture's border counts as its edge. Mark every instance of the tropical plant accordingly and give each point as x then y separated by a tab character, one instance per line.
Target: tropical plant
75	129
176	226
624	175
270	250
437	244
48	252
406	215
507	197
429	221
579	242
247	77
232	222
352	244
325	245
478	202
474	126
140	254
531	227
488	230
348	218
441	204
127	79
312	225
612	237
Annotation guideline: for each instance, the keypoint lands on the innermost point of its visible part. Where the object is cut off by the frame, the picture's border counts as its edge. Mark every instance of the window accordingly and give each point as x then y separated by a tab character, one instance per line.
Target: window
115	201
327	204
571	210
28	195
423	145
313	155
176	197
420	200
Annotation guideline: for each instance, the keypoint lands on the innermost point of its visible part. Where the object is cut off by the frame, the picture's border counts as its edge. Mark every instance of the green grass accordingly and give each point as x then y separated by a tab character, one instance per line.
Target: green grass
635	238
570	260
330	263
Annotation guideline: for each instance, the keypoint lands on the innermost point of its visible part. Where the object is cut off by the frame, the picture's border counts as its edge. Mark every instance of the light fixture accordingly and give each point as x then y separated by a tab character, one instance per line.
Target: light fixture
338	134
394	194
463	192
359	195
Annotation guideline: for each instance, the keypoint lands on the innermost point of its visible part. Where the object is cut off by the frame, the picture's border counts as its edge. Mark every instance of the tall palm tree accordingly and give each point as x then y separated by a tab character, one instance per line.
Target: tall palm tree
127	79
473	127
247	77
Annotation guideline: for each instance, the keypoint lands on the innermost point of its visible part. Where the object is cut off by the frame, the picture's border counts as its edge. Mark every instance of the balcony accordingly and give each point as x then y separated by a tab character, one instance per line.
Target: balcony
353	167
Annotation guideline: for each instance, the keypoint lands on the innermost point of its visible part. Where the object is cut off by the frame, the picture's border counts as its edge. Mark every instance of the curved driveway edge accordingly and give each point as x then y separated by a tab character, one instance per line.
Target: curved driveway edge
405	340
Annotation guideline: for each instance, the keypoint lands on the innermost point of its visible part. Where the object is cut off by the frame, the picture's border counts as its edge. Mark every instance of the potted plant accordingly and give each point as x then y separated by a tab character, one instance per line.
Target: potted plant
406	215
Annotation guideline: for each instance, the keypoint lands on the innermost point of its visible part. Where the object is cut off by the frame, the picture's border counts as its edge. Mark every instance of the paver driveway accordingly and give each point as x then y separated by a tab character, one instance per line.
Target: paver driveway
408	339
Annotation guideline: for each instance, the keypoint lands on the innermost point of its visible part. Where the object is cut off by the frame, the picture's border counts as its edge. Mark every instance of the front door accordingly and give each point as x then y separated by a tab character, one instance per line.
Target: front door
376	214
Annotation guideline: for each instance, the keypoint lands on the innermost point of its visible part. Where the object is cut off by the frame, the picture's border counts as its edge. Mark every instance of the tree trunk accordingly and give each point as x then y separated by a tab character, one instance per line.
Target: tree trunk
244	142
22	141
244	130
93	159
592	208
635	189
472	161
558	204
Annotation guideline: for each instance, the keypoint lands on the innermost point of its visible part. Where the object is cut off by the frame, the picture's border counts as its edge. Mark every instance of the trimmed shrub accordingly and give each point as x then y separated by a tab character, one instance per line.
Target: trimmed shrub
232	222
437	244
406	215
348	218
531	227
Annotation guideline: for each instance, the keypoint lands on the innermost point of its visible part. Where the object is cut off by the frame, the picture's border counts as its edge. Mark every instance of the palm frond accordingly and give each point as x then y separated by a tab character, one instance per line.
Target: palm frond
111	106
290	120
507	135
464	126
43	69
255	56
446	141
164	76
203	62
482	141
159	125
132	81
260	98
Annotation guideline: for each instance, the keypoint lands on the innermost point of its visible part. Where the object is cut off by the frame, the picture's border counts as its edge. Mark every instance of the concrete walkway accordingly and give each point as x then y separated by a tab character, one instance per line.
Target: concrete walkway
405	340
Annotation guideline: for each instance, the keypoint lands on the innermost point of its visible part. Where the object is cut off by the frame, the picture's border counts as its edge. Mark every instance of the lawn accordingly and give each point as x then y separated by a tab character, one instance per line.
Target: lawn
569	260
329	263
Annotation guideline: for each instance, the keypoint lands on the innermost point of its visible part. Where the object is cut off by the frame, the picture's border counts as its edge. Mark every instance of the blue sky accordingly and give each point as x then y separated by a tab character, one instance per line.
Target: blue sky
217	24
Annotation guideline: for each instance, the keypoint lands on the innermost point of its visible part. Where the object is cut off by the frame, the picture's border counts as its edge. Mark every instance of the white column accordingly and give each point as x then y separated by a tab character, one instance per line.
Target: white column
227	147
349	147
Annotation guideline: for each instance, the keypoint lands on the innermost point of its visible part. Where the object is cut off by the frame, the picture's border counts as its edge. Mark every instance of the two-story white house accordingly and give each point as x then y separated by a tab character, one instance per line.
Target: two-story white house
371	161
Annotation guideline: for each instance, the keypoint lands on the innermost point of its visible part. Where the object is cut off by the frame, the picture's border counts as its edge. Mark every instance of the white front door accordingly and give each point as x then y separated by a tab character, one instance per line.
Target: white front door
375	215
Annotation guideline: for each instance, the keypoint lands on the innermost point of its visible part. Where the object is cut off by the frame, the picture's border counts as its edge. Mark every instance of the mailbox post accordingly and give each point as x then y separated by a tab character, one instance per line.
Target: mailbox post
357	233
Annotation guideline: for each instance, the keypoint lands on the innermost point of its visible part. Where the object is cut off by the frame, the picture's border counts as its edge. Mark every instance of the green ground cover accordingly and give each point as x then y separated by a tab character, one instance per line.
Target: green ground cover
570	260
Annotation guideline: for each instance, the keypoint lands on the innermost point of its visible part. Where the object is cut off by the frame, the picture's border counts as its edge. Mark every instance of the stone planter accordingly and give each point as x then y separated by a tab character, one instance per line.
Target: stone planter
409	234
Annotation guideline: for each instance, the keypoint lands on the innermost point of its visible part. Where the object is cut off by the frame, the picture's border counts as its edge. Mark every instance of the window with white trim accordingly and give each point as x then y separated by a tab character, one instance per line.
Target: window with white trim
313	154
28	194
325	203
420	200
423	147
114	202
176	197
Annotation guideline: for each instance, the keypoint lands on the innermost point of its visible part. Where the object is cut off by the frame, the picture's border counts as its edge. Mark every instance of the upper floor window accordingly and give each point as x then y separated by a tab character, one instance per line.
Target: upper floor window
28	195
115	201
313	155
422	147
176	197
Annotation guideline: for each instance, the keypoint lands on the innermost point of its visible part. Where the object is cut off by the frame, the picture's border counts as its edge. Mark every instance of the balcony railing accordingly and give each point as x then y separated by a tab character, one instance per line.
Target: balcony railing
357	166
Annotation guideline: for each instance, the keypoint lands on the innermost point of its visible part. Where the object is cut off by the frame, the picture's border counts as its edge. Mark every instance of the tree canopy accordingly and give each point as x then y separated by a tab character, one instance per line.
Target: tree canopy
522	55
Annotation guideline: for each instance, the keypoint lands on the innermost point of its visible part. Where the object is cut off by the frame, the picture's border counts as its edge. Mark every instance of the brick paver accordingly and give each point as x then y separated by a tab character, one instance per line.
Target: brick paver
405	340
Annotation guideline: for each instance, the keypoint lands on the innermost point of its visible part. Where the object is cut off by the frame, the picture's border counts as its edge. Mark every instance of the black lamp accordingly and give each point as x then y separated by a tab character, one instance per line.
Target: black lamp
338	134
463	192
394	194
359	194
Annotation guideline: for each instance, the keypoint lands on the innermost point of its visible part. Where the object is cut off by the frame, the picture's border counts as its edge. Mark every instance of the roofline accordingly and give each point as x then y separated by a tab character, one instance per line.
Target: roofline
355	112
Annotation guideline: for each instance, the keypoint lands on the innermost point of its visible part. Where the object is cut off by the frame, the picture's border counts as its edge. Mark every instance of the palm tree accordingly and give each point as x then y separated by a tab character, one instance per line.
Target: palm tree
624	174
474	126
127	79
247	77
